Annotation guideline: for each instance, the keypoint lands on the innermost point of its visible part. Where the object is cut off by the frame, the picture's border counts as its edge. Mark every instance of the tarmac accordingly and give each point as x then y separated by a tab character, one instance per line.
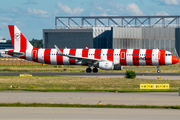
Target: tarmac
49	113
92	98
164	76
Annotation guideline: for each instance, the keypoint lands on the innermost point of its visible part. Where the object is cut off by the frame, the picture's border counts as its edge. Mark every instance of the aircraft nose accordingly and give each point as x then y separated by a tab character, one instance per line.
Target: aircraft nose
174	60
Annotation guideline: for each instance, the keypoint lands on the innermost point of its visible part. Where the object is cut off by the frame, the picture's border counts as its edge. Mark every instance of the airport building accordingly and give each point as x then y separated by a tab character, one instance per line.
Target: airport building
4	47
117	32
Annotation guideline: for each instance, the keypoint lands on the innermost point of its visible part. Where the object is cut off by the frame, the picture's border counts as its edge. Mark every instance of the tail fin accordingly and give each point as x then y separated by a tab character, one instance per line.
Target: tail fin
19	42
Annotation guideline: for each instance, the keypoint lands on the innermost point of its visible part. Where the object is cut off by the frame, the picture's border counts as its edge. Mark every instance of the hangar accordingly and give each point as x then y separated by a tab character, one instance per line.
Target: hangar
117	32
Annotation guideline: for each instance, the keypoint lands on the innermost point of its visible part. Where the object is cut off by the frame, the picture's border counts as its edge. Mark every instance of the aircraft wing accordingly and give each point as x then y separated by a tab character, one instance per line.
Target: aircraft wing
83	59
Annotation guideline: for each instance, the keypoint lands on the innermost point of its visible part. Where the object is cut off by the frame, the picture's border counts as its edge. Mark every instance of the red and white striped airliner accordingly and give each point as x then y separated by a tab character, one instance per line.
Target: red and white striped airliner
106	59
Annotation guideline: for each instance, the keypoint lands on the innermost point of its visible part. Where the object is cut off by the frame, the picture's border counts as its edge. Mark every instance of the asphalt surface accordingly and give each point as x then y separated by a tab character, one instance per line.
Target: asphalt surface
164	76
154	98
49	113
89	74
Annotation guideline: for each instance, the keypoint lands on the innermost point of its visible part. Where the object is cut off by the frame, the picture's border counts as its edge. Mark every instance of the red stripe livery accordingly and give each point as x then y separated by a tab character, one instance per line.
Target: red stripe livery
72	52
136	56
47	56
110	54
97	54
162	57
123	53
149	57
60	58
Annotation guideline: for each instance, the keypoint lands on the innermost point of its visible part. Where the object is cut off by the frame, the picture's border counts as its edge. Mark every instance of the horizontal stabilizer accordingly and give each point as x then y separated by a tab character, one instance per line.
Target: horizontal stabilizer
16	54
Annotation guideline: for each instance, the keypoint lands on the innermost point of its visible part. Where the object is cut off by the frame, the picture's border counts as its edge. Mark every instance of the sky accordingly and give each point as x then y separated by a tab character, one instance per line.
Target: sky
32	16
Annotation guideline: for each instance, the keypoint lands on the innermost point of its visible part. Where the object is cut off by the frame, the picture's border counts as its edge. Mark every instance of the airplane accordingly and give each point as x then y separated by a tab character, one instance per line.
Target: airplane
106	59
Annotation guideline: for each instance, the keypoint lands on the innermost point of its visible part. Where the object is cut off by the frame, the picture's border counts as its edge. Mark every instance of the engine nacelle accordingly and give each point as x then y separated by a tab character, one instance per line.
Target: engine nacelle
106	65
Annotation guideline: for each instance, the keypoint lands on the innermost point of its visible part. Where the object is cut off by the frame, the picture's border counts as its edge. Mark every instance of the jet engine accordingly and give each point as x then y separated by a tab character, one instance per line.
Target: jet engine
106	65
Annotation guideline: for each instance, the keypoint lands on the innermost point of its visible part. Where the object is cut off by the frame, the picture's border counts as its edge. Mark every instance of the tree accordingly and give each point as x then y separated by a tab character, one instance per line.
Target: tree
8	41
36	43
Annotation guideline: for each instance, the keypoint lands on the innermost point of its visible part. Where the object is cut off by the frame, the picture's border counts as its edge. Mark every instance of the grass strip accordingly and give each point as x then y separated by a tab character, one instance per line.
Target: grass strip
19	104
79	84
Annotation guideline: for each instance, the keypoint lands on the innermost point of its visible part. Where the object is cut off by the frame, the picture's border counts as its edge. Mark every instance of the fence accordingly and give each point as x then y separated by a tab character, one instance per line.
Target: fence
17	62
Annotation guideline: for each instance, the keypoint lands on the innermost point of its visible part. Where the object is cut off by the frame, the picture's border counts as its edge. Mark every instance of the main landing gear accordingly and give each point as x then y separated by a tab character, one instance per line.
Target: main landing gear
88	70
158	71
95	70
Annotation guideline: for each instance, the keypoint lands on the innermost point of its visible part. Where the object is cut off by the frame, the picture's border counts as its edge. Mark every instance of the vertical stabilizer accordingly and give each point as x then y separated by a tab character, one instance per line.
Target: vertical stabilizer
19	42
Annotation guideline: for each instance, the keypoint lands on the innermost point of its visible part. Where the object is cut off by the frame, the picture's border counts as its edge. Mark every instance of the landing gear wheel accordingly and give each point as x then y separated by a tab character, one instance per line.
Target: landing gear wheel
88	70
95	70
158	71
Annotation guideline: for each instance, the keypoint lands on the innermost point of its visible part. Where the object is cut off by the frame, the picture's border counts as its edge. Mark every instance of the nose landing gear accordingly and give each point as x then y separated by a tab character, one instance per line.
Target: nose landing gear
158	71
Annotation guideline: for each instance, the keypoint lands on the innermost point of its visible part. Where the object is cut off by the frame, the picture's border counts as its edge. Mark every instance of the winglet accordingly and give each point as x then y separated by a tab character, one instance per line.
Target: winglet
59	52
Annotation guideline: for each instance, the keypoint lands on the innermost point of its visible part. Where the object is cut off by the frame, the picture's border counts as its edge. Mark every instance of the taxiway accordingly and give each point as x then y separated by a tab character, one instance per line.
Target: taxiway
89	74
49	113
164	76
152	98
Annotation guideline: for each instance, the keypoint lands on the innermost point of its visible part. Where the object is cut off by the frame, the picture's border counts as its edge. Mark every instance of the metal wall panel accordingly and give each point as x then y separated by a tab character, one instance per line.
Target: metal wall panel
146	38
101	37
151	32
119	33
172	33
67	38
167	33
132	33
151	45
135	33
161	31
128	44
140	33
124	33
156	33
177	45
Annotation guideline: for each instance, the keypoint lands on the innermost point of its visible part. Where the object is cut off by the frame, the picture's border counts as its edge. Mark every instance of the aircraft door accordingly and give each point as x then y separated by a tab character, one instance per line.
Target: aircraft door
34	54
41	55
157	55
122	55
